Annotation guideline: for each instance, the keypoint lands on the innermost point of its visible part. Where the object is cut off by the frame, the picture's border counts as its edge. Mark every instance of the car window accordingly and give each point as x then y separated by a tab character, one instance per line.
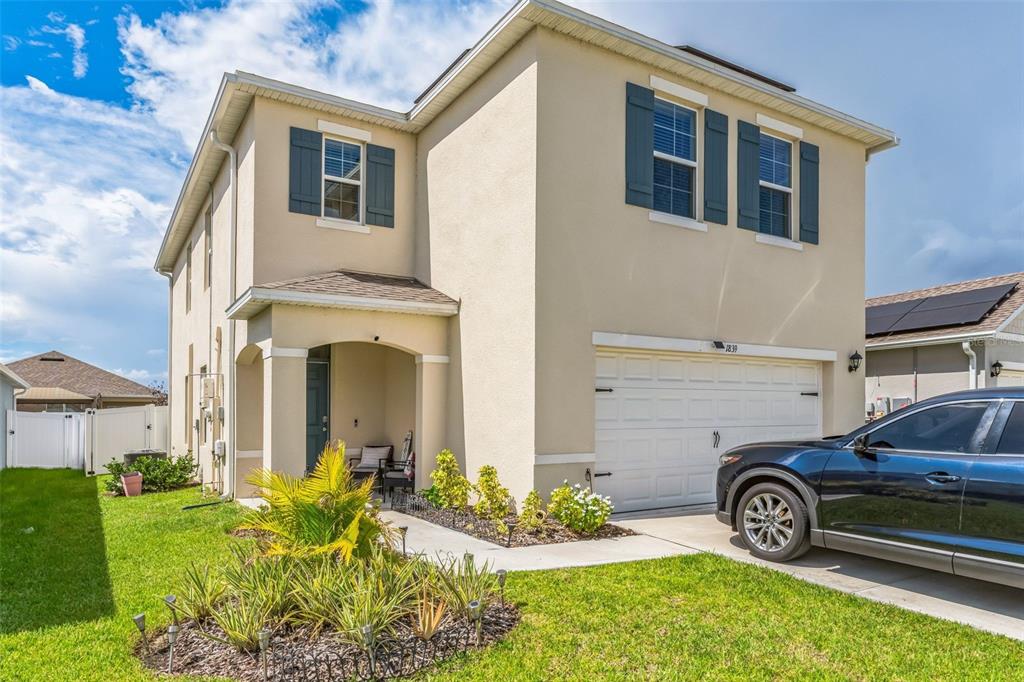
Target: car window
944	428
1012	440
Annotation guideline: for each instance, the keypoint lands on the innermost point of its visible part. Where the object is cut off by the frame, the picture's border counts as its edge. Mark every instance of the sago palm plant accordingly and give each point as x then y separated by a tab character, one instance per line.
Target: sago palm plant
326	513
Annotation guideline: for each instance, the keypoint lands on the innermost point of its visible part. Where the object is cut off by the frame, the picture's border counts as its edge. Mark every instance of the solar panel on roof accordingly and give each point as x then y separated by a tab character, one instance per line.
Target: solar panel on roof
944	310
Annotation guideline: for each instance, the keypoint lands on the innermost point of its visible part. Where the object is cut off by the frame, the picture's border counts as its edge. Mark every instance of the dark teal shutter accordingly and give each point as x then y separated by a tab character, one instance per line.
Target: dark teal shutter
716	167
808	193
639	145
380	186
748	189
304	176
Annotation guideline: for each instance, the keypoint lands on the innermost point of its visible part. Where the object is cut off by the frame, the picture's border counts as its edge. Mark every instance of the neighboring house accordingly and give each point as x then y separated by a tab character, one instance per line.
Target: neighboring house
61	383
952	337
583	254
11	385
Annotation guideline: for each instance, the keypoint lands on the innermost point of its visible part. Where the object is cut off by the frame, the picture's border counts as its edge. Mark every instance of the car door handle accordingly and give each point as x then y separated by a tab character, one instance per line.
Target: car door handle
940	477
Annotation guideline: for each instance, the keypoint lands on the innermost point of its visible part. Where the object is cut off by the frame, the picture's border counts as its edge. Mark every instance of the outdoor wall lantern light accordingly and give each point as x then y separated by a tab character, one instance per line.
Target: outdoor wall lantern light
997	368
172	637
140	623
855	361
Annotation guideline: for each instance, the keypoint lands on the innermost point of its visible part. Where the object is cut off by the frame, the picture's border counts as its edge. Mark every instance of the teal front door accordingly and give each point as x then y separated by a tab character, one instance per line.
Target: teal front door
318	427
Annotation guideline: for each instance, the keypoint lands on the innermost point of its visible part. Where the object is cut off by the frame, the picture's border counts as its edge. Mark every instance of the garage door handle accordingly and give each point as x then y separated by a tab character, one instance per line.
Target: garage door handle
603	473
600	389
813	393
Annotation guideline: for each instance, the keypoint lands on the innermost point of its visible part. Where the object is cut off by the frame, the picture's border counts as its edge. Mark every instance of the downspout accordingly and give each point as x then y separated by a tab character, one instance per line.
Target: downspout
229	492
170	355
972	364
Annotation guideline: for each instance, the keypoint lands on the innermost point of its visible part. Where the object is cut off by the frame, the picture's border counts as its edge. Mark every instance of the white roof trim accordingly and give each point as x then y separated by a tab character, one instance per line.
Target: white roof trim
1012	318
256	299
933	341
12	377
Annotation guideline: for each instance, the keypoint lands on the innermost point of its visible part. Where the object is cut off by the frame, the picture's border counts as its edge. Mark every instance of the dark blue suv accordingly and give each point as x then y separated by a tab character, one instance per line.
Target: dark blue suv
939	484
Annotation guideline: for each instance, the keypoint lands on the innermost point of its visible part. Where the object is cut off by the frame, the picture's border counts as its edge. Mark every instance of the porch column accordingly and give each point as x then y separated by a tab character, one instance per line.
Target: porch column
431	414
284	410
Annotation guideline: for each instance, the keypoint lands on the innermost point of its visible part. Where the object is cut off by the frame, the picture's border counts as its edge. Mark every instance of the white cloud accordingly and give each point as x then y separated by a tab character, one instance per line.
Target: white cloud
11	43
75	35
142	376
384	55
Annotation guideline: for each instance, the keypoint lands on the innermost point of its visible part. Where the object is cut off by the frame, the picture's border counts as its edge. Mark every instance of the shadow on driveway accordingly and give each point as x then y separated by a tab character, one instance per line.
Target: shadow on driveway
53	563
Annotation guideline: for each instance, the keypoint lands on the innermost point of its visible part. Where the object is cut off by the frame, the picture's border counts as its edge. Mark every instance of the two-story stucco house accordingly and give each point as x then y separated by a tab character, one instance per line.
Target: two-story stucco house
583	254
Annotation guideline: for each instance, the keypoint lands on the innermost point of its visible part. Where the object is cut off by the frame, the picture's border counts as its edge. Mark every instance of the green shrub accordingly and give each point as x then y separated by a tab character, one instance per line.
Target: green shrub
579	509
241	619
531	518
325	513
263	580
494	502
461	582
451	486
432	496
158	474
199	593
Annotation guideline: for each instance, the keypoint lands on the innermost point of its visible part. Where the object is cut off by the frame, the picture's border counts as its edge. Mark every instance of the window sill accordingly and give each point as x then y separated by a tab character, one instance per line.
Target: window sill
772	240
678	221
334	224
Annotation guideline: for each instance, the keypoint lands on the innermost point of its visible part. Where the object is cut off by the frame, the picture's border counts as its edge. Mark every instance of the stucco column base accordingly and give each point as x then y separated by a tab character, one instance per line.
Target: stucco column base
431	417
284	414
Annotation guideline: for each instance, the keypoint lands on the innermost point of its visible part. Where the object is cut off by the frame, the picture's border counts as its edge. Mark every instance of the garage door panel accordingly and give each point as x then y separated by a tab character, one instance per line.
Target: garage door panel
655	428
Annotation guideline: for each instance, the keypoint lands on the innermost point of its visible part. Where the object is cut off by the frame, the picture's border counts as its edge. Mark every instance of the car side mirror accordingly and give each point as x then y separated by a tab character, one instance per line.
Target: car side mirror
860	445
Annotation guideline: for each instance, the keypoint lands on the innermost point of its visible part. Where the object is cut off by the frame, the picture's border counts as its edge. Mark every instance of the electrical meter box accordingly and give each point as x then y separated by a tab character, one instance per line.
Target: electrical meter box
219	448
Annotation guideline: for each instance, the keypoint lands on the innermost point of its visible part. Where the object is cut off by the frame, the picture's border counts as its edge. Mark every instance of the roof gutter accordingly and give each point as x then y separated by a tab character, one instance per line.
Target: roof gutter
936	341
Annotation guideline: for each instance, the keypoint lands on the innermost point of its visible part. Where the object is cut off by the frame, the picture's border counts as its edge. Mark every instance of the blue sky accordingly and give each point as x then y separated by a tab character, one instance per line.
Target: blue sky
102	103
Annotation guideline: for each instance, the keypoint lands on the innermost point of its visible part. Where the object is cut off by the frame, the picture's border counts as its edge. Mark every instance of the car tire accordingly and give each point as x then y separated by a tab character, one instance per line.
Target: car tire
772	522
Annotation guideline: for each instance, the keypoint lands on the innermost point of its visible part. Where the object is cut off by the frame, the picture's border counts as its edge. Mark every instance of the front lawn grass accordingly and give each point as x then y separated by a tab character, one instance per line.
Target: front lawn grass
69	587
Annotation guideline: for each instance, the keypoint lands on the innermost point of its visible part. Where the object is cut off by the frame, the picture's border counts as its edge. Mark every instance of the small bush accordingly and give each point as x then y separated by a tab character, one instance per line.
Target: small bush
432	496
199	593
462	582
158	474
579	509
531	519
494	502
452	487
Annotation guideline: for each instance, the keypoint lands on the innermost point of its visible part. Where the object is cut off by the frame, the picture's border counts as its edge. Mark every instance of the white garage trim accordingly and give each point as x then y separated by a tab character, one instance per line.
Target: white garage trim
565	458
665	343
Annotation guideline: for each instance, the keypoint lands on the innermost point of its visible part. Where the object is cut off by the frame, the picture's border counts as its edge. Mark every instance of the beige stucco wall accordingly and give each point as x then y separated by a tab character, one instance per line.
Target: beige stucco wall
376	386
290	244
602	265
940	369
476	234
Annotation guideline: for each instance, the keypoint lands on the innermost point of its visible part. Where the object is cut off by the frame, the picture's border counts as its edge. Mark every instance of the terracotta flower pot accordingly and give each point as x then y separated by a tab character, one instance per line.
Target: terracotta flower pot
132	484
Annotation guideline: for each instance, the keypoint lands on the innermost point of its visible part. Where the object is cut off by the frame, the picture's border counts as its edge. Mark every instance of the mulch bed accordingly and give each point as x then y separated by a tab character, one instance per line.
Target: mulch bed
551	532
296	654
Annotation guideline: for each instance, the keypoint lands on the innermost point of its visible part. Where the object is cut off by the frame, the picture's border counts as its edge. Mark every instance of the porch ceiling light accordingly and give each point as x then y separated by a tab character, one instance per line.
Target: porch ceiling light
855	359
997	368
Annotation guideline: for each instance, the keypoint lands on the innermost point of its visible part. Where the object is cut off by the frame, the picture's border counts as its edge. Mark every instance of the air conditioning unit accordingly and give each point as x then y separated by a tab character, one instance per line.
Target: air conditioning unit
209	388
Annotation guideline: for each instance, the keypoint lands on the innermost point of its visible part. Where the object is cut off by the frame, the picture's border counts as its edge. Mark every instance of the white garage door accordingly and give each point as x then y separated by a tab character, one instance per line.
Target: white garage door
1010	377
662	419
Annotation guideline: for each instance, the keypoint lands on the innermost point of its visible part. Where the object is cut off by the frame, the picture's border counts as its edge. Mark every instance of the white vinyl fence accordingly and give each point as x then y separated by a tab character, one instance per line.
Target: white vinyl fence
83	440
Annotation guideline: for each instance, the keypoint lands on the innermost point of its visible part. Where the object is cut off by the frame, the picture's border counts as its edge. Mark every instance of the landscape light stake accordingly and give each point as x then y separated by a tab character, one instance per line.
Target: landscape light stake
403	530
511	529
140	623
264	645
170	600
172	637
502	575
467	560
367	632
474	617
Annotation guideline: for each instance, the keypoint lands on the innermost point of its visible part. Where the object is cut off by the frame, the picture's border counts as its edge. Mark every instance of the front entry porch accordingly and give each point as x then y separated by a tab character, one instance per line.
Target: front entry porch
366	372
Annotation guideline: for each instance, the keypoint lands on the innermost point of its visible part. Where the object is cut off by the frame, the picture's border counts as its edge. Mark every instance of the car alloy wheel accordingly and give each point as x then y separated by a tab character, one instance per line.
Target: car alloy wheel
768	522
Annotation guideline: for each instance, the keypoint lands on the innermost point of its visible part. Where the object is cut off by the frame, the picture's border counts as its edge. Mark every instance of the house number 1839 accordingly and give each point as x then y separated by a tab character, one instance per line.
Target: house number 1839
731	348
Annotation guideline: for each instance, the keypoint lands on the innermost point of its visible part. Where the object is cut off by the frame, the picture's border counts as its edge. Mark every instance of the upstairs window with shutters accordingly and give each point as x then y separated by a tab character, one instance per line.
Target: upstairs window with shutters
342	195
675	158
776	186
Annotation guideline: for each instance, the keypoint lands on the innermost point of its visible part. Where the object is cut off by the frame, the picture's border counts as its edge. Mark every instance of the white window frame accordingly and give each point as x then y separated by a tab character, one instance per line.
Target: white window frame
671	218
780	188
329	221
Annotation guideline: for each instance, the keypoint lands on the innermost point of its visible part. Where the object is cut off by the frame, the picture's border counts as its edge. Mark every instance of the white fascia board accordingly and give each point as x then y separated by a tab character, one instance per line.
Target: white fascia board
1009	320
664	343
12	377
935	341
1003	336
256	298
681	91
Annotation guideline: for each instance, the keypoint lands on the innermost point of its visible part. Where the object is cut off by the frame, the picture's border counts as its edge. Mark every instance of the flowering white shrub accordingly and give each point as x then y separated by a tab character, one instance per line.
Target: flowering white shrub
579	508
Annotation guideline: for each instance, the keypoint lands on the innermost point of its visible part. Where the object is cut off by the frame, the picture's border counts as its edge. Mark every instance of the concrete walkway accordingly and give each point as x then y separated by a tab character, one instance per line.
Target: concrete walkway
982	605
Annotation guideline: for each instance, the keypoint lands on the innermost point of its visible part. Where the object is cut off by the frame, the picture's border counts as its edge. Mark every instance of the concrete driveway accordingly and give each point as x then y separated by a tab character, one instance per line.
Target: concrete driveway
983	605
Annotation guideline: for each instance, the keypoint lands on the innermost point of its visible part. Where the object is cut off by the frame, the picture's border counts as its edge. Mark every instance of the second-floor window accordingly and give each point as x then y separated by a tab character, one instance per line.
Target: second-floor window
343	163
675	158
776	186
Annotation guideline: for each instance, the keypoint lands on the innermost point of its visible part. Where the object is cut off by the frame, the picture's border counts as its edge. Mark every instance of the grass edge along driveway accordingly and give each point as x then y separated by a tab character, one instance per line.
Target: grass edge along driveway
69	587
